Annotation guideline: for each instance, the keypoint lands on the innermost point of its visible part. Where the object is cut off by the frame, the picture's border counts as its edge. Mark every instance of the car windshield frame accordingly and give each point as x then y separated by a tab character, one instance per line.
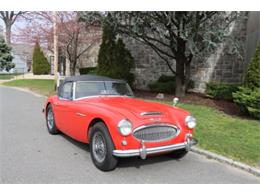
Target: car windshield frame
105	88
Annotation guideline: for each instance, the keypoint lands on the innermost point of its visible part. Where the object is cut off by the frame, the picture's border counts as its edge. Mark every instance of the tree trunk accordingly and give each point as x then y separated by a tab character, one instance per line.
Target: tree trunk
72	71
8	27
73	68
67	73
180	78
180	68
187	76
56	48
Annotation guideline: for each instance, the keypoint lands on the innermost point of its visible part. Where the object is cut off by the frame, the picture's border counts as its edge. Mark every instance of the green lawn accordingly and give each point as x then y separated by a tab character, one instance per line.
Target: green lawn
218	132
42	86
7	76
227	135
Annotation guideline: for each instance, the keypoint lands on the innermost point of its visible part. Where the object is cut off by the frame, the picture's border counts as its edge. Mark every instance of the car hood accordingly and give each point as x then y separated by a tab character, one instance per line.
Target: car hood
139	109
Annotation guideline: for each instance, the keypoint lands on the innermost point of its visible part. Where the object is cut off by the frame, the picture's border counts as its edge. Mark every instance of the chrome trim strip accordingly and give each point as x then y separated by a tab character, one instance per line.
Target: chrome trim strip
116	81
61	98
138	152
74	91
80	114
97	96
157	125
150	113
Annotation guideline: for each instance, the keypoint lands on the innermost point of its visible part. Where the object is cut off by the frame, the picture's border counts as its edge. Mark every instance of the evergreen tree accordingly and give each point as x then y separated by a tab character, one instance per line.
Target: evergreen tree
5	56
40	62
114	60
252	78
248	96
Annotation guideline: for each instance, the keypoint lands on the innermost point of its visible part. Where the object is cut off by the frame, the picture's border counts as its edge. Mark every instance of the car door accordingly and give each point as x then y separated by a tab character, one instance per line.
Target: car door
63	107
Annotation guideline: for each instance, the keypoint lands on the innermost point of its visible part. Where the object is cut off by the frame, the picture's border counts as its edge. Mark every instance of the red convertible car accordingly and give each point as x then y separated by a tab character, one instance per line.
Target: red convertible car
104	113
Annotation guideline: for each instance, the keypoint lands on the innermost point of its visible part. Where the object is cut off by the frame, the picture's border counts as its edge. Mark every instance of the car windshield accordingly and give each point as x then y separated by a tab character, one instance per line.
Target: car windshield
94	88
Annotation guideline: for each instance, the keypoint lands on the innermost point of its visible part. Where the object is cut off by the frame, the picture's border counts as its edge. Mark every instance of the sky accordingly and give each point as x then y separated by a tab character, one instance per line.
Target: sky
15	27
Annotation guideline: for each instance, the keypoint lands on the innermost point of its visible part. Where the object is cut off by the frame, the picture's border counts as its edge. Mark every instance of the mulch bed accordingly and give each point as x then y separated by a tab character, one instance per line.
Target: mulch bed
227	107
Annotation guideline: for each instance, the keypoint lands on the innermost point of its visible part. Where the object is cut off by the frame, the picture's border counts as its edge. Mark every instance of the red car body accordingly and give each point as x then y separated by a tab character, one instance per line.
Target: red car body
76	117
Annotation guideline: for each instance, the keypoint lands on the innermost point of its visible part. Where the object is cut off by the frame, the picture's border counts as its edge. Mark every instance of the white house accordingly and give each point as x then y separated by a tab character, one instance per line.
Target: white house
22	54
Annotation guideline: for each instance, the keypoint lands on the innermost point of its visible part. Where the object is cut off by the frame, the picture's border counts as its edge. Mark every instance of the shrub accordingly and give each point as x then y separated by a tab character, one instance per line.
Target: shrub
248	101
114	60
165	84
40	62
220	90
166	78
87	70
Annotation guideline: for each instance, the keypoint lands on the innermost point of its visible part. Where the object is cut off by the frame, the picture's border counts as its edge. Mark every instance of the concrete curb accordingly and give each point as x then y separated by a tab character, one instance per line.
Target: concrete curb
226	160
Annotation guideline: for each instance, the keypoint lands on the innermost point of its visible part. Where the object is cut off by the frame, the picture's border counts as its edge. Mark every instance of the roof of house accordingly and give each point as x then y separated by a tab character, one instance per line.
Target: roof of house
22	49
90	78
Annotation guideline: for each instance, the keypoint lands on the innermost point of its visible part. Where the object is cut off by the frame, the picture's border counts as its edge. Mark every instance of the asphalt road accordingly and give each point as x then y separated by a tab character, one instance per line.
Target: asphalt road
29	154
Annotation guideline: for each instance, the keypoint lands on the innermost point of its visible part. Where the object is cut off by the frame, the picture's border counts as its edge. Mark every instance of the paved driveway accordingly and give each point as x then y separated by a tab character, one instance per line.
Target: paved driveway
30	155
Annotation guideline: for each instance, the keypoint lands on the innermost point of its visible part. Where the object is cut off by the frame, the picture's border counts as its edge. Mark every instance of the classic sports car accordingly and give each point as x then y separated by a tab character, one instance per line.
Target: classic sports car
104	113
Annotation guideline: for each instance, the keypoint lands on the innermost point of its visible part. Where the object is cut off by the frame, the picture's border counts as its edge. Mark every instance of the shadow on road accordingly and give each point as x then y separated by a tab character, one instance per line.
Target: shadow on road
80	145
136	162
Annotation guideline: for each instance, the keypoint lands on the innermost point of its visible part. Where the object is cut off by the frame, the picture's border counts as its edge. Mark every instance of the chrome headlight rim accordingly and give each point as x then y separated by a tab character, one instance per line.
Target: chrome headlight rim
190	122
125	127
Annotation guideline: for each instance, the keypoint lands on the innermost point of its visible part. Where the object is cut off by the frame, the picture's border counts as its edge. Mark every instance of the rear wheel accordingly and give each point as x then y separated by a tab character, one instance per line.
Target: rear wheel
50	121
101	148
178	154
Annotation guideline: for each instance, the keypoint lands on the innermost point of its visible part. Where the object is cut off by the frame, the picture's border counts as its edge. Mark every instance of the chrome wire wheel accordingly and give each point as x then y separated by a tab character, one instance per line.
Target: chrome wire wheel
99	147
50	119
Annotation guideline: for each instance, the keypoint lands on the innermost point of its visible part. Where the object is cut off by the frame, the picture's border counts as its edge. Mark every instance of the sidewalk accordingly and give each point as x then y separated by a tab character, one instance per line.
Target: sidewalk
32	76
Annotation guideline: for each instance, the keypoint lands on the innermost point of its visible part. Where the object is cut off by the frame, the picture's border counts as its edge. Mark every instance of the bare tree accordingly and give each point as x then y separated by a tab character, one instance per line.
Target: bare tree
9	18
75	37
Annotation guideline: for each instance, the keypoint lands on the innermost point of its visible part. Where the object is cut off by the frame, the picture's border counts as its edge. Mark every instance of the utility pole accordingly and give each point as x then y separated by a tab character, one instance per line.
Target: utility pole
55	43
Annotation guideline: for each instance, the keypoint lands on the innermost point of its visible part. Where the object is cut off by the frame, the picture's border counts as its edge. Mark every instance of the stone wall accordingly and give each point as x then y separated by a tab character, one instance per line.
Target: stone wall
223	65
90	57
148	65
1	32
252	34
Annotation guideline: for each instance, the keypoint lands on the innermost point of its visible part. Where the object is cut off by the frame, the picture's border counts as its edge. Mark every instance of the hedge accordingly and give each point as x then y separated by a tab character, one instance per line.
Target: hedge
165	84
220	90
87	70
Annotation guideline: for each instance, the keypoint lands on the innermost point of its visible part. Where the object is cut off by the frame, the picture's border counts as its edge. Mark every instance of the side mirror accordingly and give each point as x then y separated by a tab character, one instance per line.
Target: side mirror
175	101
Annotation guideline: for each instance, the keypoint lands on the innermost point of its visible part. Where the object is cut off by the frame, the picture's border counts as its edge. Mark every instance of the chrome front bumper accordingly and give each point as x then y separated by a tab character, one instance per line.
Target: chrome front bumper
143	151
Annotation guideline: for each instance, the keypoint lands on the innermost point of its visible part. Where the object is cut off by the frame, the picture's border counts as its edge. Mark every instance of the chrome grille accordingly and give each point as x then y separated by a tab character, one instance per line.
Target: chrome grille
155	133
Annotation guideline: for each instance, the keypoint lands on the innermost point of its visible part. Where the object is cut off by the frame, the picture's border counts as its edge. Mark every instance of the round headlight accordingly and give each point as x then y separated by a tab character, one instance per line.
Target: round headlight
125	127
190	122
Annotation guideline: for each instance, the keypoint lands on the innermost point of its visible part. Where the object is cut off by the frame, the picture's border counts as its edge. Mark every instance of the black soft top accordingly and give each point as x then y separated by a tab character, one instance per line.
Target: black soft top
90	78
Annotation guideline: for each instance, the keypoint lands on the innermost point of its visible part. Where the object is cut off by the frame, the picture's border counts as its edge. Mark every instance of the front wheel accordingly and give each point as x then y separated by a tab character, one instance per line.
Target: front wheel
101	148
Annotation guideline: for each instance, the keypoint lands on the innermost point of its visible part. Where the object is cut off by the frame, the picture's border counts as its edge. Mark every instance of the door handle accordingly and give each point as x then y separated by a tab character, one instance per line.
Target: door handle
80	114
56	103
